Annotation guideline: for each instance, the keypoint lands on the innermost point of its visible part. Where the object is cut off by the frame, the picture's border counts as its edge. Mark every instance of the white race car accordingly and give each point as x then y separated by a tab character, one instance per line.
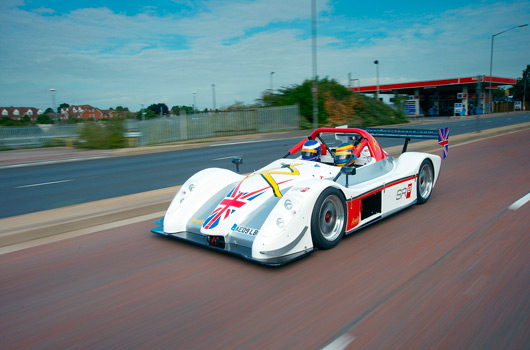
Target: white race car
292	206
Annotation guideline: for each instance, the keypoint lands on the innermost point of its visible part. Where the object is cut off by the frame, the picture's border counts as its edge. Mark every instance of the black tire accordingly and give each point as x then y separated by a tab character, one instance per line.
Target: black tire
425	181
328	221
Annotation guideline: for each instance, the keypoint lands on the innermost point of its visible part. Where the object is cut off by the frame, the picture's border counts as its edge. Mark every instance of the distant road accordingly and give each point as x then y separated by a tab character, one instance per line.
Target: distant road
41	187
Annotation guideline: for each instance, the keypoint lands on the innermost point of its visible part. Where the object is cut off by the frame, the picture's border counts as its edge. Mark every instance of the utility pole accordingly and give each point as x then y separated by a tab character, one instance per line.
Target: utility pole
314	90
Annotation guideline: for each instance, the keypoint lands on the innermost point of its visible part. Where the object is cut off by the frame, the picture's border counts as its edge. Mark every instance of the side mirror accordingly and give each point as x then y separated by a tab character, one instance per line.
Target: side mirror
237	161
348	171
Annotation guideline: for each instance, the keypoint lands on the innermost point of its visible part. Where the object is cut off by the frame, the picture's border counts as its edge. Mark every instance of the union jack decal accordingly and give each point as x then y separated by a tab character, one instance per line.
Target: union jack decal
443	140
233	201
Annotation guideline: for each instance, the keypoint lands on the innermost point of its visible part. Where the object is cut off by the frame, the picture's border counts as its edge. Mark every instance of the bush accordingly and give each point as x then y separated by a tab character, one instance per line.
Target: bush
102	135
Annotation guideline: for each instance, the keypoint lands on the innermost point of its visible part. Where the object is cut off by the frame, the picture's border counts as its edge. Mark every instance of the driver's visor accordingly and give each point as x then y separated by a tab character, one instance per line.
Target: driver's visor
307	153
342	155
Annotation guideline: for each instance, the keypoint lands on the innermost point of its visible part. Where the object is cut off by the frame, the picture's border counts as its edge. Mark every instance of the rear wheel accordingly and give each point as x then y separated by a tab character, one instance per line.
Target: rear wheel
425	181
328	220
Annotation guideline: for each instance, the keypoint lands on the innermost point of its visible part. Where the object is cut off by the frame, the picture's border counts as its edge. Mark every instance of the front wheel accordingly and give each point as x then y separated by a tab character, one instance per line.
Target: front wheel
328	220
425	181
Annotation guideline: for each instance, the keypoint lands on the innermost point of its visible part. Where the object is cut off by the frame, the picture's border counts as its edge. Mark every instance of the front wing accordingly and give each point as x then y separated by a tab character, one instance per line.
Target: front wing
214	242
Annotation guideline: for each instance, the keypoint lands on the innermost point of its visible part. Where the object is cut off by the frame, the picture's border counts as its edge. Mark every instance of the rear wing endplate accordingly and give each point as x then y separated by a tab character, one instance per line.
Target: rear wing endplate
442	135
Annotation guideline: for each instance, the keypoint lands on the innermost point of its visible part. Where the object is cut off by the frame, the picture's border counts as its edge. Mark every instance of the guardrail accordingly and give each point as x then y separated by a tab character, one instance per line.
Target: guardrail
15	137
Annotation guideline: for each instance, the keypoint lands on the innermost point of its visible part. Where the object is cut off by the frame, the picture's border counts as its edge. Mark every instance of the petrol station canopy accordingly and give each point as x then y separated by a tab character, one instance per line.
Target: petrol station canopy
442	96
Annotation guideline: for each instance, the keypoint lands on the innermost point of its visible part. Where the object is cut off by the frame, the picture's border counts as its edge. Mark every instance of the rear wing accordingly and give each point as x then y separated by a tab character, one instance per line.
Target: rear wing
442	135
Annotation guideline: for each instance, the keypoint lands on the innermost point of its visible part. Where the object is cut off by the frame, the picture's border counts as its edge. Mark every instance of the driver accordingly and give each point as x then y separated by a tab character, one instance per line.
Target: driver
311	150
344	155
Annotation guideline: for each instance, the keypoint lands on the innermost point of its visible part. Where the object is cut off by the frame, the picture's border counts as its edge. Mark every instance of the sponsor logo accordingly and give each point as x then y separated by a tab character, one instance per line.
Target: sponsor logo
301	189
404	193
246	230
197	221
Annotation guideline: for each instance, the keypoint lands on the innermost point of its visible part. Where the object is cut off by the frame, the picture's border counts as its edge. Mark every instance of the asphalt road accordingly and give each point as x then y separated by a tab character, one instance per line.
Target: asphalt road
41	187
453	273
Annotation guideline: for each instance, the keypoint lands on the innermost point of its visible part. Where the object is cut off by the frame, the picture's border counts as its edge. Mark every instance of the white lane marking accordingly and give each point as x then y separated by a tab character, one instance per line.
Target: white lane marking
230	157
519	203
340	343
54	161
45	183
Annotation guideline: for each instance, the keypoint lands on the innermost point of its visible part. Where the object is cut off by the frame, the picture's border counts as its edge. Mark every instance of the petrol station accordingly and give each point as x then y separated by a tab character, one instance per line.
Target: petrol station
443	97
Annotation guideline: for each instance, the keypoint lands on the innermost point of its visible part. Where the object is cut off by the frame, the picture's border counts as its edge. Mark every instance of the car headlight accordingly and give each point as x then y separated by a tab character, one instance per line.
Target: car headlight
182	195
282	215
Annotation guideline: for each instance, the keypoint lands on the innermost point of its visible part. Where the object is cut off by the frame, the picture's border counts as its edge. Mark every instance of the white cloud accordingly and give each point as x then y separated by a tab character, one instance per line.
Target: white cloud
106	58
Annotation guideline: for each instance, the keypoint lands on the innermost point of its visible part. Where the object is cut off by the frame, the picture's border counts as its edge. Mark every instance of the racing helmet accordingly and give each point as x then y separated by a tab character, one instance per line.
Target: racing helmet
344	155
311	150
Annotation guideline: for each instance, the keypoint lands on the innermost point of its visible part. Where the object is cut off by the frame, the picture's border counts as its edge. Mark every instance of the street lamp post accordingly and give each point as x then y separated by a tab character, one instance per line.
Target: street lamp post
376	62
194	102
54	105
213	97
271	74
491	62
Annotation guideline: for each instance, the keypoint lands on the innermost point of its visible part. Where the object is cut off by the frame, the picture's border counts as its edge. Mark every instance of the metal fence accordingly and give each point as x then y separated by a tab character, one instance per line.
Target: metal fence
202	125
14	137
160	130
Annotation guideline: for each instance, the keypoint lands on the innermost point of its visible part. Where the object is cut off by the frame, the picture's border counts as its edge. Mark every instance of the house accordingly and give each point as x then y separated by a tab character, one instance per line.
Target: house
18	113
87	112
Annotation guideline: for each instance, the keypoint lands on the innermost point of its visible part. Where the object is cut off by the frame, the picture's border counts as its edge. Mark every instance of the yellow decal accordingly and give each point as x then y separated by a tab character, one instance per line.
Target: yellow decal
267	176
374	142
197	221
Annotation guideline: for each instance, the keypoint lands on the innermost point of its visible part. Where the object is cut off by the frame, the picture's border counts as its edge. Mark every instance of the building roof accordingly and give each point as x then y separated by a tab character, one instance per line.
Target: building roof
22	111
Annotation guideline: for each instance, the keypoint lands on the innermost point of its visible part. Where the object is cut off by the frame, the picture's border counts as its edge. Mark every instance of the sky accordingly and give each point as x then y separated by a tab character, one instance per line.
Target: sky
131	53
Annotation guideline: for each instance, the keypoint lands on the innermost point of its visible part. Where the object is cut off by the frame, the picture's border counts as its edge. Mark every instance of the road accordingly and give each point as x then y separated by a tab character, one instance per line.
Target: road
453	273
41	187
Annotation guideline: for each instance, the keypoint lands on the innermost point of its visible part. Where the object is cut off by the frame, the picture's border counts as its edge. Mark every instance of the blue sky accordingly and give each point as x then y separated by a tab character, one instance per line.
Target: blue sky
129	53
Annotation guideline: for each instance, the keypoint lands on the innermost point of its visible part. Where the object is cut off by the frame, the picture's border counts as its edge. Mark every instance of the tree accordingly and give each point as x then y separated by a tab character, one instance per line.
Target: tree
44	119
61	106
518	89
178	110
158	108
148	114
337	105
